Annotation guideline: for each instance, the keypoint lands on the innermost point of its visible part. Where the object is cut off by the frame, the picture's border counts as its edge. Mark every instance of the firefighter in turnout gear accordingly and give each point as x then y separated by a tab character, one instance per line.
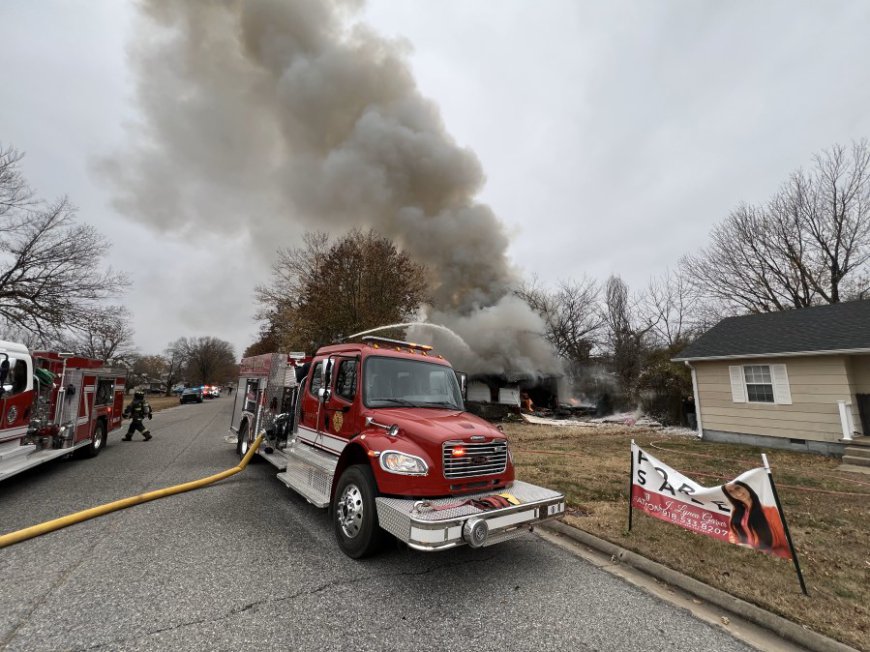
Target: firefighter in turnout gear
138	411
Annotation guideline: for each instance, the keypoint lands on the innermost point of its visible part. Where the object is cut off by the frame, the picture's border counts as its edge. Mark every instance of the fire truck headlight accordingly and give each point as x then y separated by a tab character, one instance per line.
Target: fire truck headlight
403	464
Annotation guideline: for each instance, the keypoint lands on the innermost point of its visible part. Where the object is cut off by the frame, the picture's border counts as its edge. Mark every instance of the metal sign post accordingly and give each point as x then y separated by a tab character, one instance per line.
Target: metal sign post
630	484
794	557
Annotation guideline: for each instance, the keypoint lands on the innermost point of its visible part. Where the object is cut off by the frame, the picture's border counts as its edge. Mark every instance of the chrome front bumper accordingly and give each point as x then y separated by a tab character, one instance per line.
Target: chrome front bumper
426	529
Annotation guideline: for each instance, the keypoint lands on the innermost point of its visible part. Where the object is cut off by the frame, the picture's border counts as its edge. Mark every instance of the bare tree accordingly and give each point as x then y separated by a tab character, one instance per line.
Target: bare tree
809	245
294	269
15	194
837	217
626	332
324	291
571	314
672	307
146	369
50	277
106	335
209	360
176	356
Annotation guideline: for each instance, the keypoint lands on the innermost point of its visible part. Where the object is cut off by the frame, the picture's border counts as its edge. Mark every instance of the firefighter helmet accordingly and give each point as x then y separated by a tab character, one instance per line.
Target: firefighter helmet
138	395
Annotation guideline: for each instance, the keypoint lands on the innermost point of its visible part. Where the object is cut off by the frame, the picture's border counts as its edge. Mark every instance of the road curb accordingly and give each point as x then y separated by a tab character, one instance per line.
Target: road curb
777	624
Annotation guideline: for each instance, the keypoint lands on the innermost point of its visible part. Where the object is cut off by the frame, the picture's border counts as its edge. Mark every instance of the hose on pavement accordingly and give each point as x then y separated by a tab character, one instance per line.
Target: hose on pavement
93	512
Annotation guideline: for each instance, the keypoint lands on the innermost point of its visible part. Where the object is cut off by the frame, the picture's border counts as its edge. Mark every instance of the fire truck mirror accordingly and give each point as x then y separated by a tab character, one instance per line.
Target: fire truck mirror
4	369
462	377
326	372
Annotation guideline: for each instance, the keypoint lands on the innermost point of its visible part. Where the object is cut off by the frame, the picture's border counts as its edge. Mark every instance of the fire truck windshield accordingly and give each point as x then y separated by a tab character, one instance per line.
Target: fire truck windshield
402	382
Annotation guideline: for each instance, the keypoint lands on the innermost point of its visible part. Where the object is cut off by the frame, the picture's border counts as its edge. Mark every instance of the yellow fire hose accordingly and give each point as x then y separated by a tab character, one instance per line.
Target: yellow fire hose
93	512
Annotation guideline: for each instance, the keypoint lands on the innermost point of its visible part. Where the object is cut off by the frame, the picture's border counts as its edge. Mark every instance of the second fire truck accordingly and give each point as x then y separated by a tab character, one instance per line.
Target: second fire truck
53	404
376	431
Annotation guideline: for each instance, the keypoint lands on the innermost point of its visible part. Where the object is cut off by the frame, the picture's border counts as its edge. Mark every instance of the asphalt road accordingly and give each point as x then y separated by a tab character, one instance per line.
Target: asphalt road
247	564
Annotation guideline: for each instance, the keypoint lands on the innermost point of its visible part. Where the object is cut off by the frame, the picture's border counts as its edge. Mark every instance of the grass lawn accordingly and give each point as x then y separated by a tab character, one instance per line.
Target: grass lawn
157	402
828	513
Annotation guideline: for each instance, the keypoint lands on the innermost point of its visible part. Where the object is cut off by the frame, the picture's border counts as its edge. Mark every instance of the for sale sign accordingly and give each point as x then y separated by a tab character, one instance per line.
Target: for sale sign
743	512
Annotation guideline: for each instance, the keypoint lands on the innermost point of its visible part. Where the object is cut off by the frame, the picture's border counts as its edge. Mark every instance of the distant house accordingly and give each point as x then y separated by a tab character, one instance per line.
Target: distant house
798	379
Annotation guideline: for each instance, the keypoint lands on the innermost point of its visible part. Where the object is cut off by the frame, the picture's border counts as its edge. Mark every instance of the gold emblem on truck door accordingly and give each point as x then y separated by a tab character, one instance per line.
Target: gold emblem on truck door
337	421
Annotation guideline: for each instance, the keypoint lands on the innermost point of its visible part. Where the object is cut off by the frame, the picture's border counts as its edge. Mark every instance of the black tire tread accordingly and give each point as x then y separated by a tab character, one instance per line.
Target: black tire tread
371	538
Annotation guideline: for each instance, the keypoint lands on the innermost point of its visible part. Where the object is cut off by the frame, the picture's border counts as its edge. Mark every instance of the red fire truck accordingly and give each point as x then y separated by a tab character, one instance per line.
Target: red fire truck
53	404
377	432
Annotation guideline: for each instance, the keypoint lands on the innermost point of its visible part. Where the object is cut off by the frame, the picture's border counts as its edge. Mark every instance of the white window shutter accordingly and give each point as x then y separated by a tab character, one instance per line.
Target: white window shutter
781	390
738	388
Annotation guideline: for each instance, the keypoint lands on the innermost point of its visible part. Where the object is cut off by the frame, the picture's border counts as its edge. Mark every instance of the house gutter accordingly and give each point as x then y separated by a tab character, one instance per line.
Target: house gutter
699	426
742	356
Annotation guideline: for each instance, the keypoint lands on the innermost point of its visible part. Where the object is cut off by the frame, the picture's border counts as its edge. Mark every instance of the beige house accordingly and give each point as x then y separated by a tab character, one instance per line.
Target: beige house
798	379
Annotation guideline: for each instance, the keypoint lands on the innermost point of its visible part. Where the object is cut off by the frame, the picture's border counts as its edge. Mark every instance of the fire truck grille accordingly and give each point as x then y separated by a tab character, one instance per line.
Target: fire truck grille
476	460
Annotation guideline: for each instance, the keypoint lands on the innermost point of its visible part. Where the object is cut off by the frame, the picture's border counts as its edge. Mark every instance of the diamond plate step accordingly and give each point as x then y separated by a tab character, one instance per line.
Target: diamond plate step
309	472
275	458
14	449
10	467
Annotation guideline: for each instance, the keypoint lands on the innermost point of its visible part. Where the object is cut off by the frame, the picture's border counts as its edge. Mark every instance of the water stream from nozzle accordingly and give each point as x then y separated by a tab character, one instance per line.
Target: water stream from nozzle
439	327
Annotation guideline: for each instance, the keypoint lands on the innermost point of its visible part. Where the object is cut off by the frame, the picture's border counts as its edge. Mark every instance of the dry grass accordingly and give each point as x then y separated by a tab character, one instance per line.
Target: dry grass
828	513
157	402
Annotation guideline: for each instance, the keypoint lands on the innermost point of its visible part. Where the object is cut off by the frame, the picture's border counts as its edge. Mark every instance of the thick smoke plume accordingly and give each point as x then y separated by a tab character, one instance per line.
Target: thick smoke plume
263	118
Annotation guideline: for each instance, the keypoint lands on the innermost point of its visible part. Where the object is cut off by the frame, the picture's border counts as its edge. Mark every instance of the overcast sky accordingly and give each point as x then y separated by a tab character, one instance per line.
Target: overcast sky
613	135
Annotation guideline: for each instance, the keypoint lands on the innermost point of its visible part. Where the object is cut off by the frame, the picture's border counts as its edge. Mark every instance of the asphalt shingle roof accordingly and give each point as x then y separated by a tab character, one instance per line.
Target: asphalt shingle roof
837	327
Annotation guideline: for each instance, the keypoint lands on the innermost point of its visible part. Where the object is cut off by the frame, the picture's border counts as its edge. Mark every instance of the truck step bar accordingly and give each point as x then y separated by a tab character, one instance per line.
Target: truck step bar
309	472
10	451
276	458
22	462
422	528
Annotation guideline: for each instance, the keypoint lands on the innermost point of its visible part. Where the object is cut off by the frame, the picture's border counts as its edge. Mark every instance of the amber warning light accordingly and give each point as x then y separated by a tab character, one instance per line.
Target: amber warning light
459	451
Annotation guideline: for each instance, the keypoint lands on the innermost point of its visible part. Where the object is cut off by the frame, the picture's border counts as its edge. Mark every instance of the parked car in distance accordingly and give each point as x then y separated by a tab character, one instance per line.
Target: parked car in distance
210	391
191	395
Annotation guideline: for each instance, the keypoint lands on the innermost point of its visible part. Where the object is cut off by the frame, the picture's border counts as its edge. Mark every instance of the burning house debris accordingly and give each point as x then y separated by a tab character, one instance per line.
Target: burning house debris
495	397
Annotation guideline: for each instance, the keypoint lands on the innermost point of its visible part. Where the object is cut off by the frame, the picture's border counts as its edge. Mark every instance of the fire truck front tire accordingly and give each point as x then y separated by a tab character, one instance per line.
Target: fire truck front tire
98	441
354	514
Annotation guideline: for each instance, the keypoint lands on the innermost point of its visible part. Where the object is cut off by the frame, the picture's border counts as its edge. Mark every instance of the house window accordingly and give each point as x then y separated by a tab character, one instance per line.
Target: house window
759	386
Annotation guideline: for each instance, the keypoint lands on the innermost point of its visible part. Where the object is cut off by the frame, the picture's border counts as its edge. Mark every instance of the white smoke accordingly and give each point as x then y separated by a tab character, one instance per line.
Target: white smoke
264	118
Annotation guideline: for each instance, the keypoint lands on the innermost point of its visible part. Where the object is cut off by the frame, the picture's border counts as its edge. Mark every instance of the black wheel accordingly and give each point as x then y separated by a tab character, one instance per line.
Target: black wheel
354	514
98	441
243	440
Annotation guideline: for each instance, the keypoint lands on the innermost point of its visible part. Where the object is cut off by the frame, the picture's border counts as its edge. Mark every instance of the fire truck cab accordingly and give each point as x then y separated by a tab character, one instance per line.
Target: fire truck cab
377	432
53	404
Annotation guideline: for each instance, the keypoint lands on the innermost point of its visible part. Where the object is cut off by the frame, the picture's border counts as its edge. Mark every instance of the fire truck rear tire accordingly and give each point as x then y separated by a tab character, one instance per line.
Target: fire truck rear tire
354	514
98	441
244	441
